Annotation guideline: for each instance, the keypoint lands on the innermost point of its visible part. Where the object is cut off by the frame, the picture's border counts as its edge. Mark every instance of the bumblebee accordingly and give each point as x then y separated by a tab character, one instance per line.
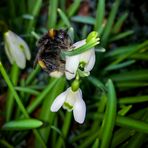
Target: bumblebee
50	47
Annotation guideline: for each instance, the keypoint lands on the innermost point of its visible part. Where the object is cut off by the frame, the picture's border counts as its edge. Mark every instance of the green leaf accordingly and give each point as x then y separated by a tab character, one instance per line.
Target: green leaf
96	143
132	100
119	23
64	18
23	124
41	96
110	116
84	19
110	21
135	75
73	7
119	66
97	83
121	35
100	16
124	110
83	48
52	13
130	123
132	52
119	51
140	56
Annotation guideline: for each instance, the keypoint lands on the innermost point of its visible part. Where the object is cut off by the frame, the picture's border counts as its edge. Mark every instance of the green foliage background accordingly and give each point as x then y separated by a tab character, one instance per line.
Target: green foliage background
115	93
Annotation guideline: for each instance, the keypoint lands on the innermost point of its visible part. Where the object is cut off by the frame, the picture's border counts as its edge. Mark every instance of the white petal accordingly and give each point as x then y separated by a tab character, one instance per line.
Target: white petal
72	63
79	110
79	44
91	62
58	102
12	45
24	47
18	56
8	54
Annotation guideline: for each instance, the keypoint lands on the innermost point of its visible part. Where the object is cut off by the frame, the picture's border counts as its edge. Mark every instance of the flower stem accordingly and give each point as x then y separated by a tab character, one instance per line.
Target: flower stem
14	74
65	129
33	74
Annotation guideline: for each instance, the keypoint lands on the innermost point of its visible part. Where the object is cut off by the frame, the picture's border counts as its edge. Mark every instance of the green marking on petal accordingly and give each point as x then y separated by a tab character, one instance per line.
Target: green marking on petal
82	65
22	47
68	106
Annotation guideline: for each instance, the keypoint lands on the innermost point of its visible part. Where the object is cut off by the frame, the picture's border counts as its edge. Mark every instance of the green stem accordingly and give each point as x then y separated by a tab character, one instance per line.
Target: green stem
32	75
5	143
52	13
65	129
34	12
40	98
129	123
14	74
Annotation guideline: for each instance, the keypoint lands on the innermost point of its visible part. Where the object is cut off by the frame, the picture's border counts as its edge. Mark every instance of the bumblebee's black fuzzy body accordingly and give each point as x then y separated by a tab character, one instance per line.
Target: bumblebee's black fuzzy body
50	46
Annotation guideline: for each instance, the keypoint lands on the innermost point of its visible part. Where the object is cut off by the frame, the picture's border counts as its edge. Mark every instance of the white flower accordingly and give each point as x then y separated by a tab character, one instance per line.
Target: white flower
72	62
71	100
16	49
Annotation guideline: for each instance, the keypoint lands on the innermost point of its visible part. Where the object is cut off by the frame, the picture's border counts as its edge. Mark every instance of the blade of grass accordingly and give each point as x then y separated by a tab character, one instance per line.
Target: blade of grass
130	123
32	75
64	18
65	129
5	143
138	48
140	56
121	35
36	6
124	110
97	83
137	140
120	51
23	124
84	19
124	133
132	100
11	8
83	48
100	16
27	90
96	144
89	140
73	8
119	66
121	135
131	76
52	13
110	22
110	116
14	75
70	11
119	23
40	98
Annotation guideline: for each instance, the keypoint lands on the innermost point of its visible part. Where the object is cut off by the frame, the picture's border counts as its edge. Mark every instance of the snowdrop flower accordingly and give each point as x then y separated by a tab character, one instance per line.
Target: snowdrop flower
16	49
86	59
71	100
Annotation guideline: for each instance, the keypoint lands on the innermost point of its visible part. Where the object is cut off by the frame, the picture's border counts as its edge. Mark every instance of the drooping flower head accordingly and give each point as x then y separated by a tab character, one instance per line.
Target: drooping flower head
86	60
71	101
16	49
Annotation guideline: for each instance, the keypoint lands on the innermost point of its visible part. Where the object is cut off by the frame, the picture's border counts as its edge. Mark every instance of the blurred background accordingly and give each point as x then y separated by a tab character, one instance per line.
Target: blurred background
117	114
